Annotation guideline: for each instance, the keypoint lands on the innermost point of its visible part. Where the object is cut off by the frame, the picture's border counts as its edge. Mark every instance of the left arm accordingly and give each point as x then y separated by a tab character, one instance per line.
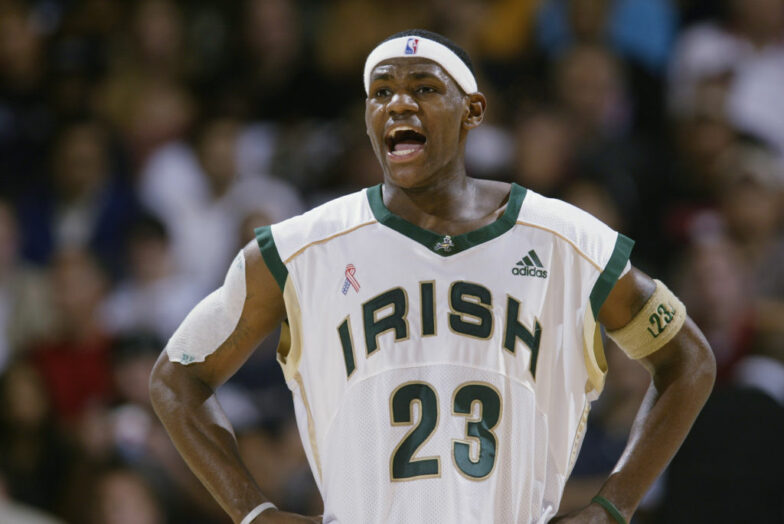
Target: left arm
682	372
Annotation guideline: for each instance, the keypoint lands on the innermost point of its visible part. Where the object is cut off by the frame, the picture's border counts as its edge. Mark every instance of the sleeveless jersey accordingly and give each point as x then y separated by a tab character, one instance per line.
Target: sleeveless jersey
436	378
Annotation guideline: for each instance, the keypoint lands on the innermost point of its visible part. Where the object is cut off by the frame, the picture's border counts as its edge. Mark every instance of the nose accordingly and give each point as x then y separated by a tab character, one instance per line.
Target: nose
402	103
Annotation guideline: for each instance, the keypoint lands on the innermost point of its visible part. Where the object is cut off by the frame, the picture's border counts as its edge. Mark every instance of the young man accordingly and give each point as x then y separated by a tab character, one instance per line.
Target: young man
442	339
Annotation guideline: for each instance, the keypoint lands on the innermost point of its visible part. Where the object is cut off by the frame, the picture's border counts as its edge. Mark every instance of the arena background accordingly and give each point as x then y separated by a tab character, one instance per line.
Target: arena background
141	142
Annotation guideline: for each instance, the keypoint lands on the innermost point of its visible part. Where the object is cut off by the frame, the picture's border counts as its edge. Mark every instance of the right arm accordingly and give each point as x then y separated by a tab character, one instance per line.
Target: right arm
183	398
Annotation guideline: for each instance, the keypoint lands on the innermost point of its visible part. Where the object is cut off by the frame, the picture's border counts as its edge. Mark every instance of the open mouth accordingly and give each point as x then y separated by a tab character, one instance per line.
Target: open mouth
405	142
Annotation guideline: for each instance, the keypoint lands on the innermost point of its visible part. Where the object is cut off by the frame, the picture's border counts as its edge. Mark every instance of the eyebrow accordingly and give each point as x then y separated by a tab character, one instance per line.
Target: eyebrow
380	76
419	75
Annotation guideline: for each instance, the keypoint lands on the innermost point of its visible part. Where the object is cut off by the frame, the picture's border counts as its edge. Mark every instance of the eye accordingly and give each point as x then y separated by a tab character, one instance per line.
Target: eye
382	92
424	90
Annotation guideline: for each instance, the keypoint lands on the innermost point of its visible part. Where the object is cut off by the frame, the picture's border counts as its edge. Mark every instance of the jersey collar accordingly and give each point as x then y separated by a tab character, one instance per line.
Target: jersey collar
447	245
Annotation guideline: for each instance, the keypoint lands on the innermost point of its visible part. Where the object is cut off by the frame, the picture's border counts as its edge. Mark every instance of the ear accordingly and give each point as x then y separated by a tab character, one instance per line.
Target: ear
477	104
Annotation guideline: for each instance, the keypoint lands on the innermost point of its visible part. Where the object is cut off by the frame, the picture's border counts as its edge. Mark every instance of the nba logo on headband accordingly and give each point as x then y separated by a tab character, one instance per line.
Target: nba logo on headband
411	46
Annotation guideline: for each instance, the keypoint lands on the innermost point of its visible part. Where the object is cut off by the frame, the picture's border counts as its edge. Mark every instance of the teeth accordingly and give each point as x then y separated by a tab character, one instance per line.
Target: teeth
401	129
402	152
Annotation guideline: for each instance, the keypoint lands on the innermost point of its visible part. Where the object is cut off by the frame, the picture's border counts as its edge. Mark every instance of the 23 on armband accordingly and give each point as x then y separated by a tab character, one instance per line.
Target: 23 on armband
657	323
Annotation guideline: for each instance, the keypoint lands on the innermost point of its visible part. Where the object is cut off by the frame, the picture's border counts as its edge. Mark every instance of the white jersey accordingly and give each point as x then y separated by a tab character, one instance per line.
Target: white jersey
437	378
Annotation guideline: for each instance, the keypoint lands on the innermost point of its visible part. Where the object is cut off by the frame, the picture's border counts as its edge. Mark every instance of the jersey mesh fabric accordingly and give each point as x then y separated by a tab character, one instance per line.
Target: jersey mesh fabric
343	386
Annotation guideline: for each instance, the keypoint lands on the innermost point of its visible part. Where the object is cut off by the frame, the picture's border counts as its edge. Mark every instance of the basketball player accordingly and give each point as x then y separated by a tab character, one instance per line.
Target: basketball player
441	336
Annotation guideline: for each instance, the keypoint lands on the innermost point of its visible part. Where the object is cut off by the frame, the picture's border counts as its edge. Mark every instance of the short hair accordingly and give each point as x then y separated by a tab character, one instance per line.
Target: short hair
441	39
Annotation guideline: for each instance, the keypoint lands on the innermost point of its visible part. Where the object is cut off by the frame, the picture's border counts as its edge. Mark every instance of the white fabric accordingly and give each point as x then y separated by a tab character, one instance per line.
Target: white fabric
344	421
416	46
255	512
213	319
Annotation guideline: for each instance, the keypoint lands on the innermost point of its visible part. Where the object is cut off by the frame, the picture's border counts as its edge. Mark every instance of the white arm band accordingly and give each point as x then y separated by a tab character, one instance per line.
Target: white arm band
657	323
255	512
210	323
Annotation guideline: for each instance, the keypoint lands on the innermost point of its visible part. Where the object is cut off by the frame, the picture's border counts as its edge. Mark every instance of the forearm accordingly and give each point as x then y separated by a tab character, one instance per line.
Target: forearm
203	435
677	393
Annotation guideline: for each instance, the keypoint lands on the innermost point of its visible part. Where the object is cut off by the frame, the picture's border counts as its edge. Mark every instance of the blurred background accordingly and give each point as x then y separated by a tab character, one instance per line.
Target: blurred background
142	141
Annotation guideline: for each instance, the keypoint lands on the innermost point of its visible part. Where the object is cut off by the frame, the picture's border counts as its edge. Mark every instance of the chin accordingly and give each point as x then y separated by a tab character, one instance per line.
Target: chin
409	178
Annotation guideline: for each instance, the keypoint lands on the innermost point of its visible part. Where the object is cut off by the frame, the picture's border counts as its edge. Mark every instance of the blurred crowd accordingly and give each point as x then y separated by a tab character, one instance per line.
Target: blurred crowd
142	141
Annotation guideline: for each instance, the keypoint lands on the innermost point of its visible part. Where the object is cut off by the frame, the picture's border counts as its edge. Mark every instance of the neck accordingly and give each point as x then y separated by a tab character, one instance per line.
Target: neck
451	205
446	197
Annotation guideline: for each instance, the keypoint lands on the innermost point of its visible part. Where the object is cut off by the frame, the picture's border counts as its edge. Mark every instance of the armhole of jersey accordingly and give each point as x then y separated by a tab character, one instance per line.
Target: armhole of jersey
289	350
593	344
612	271
290	345
593	354
269	251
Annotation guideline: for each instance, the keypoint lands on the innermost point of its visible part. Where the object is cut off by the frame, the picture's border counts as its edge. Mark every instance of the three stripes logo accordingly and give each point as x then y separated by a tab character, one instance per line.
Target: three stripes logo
530	266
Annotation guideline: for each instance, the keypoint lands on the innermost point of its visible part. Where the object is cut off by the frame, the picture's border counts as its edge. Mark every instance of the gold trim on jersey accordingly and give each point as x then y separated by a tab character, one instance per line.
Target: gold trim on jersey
570	242
327	239
311	426
577	440
289	356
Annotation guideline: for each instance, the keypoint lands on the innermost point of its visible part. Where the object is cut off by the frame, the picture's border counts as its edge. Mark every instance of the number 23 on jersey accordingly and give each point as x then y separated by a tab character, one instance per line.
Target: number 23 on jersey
479	403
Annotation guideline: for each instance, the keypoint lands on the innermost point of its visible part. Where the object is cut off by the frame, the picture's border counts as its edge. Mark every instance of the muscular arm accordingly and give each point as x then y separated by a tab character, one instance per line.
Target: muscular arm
182	395
682	373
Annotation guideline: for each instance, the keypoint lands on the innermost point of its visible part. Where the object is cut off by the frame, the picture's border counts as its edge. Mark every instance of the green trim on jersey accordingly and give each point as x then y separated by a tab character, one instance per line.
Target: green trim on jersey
613	269
448	245
271	257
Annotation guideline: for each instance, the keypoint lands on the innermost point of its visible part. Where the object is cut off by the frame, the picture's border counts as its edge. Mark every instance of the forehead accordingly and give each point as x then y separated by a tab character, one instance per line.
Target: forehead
401	67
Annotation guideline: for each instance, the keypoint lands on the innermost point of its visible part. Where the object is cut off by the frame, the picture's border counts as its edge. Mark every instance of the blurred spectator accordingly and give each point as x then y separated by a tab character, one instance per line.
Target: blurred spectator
123	497
145	94
720	48
88	205
713	284
25	311
200	197
74	359
35	458
641	30
155	296
590	84
25	119
341	52
12	512
543	149
277	73
755	104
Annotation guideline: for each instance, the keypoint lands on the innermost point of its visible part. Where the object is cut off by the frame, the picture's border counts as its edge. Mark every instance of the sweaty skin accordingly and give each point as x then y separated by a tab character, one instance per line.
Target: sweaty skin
431	190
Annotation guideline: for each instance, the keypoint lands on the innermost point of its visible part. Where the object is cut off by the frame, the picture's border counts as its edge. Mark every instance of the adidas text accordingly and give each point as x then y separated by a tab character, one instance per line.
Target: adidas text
527	271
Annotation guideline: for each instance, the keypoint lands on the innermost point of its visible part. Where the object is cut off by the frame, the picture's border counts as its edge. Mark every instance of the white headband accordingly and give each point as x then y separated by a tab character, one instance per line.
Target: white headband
417	46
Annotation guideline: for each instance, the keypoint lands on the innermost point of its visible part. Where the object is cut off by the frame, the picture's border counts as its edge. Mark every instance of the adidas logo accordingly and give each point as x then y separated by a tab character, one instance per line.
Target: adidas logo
530	266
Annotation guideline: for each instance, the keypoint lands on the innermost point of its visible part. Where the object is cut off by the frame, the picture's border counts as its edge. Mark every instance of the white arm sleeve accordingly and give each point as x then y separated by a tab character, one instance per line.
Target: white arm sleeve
213	319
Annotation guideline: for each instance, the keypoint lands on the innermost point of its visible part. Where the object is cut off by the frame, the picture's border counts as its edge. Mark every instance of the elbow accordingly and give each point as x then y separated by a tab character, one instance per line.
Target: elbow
703	364
158	386
706	369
